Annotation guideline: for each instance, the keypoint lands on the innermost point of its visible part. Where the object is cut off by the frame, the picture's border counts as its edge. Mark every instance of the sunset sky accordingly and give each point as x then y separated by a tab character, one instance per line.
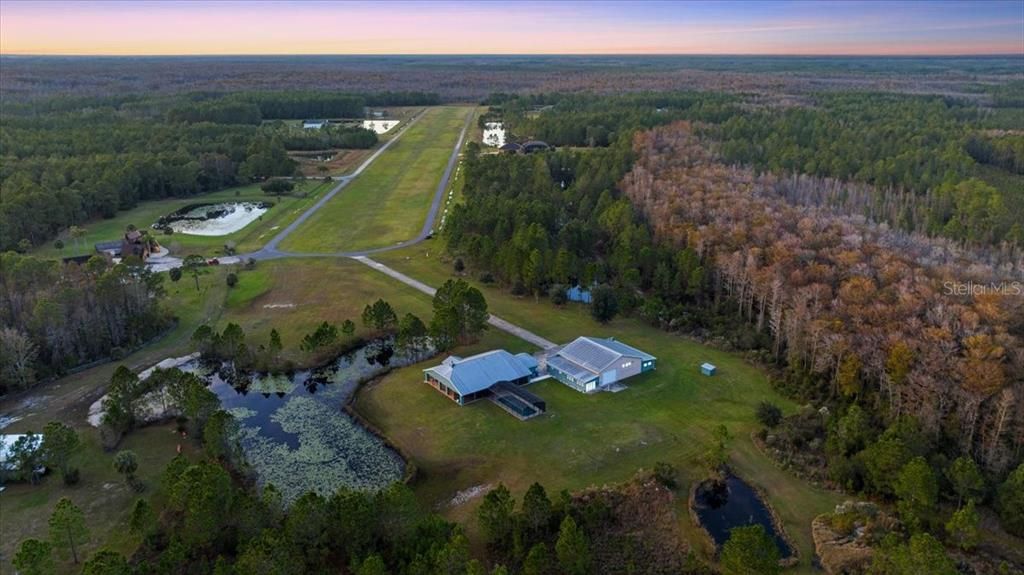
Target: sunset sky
521	27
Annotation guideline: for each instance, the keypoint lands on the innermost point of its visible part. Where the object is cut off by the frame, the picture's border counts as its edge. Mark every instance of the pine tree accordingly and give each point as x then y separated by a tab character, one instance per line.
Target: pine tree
67	528
572	548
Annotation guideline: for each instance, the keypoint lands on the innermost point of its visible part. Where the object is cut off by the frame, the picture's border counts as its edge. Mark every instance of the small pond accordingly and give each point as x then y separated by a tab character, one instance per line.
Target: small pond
213	219
494	134
720	506
292	428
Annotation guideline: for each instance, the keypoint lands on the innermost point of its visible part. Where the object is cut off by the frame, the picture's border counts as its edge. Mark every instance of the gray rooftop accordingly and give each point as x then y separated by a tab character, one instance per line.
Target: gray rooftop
481	371
595	354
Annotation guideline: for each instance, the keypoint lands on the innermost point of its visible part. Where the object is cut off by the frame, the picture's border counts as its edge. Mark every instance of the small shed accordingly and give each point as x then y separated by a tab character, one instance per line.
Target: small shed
578	294
708	369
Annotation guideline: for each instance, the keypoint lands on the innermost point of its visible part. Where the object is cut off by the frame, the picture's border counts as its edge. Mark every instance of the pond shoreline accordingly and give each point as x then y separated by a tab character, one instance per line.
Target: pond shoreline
777	524
279	421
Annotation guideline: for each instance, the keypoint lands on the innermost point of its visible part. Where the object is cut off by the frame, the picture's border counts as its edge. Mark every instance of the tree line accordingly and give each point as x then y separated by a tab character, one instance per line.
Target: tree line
55	317
68	160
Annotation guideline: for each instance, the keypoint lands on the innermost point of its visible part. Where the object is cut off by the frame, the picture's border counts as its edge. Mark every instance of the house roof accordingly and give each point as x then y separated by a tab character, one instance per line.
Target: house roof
707	366
510	146
527	360
595	354
108	246
481	371
565	366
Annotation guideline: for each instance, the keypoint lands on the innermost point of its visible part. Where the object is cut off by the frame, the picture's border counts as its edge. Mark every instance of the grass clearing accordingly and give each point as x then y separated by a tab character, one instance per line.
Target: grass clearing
586	440
388	202
295	295
249	238
102	494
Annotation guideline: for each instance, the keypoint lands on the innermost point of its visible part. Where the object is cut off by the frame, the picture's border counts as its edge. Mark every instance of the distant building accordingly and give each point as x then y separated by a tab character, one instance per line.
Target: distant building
590	364
511	148
534	146
708	369
133	243
314	124
578	294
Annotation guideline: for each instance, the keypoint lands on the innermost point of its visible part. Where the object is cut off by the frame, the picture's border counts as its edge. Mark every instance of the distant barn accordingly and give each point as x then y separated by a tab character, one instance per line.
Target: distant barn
511	148
314	124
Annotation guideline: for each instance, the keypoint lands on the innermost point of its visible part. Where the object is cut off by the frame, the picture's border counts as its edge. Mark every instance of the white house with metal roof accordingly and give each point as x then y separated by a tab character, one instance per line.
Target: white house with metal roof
591	364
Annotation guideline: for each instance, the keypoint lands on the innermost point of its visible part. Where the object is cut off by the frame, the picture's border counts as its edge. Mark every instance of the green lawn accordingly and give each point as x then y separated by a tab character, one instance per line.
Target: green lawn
388	202
586	439
250	238
295	295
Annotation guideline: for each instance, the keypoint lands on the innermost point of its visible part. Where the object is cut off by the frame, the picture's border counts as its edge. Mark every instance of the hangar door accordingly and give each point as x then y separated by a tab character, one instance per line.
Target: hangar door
608	377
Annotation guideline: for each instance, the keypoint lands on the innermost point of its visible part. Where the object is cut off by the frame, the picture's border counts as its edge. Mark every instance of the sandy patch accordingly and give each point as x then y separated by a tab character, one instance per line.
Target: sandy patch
152	405
467	495
380	126
494	134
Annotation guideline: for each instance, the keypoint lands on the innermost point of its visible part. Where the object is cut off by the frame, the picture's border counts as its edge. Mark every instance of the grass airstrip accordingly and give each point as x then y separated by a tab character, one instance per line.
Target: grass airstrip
388	202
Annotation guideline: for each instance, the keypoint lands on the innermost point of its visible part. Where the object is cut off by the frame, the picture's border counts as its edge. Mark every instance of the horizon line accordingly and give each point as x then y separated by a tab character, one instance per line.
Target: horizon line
618	54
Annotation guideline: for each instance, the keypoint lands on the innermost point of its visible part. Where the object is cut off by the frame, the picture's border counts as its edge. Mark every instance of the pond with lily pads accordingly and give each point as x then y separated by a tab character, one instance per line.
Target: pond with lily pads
218	219
293	431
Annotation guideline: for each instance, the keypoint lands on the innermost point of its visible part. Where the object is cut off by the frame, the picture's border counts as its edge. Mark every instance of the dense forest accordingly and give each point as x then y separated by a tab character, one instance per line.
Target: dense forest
472	77
55	316
805	272
67	160
927	164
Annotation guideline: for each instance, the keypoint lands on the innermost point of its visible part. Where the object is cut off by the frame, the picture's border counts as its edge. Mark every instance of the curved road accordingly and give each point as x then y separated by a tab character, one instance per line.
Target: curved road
271	250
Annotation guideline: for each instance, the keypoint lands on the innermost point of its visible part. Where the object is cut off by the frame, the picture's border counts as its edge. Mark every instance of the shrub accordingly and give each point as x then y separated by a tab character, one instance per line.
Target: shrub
72	476
486	278
769	414
232	280
175	274
459	266
58	244
665	473
557	294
